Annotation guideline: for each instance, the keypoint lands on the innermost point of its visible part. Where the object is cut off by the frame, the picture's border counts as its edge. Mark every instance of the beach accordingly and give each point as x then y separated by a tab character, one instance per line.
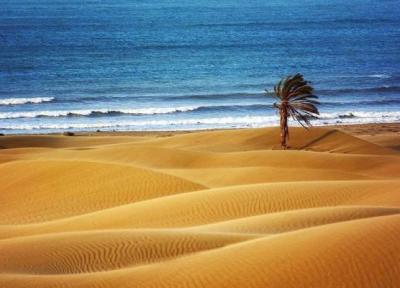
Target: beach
215	208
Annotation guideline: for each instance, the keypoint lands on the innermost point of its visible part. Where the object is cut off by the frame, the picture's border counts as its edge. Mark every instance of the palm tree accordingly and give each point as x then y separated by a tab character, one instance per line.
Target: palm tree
295	99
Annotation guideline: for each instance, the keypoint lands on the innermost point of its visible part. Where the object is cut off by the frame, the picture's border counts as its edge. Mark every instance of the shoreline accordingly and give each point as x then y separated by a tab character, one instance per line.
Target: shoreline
354	129
383	134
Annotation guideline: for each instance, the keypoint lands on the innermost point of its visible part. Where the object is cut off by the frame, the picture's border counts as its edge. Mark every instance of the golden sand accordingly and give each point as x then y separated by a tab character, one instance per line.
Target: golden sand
201	209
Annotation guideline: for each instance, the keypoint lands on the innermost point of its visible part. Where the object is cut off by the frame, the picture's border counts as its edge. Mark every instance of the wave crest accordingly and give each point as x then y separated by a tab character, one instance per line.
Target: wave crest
96	112
206	123
22	101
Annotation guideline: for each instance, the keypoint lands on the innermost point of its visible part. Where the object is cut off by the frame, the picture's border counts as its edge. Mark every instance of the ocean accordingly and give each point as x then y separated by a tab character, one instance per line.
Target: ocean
176	65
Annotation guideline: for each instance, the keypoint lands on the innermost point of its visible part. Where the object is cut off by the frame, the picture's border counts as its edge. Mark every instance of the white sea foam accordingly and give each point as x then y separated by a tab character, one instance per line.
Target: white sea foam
203	123
21	101
382	76
240	121
61	113
84	120
361	114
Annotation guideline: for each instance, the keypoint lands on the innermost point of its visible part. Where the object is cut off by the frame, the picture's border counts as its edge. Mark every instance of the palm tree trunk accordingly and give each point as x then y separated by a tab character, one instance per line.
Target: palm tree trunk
284	126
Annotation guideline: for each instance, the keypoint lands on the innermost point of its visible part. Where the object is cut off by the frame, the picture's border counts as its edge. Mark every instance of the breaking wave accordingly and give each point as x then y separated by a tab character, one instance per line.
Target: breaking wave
21	101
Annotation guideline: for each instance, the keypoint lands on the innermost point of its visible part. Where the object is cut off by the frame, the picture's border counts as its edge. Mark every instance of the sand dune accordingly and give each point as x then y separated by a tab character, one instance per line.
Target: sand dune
71	253
316	139
216	205
281	222
204	209
55	141
345	254
76	187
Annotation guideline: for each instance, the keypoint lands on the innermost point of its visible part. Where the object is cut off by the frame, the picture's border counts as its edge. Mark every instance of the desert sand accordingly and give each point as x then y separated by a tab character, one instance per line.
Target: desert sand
202	209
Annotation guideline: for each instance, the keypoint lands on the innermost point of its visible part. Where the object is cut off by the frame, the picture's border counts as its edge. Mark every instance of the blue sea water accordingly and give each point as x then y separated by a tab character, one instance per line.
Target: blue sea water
173	65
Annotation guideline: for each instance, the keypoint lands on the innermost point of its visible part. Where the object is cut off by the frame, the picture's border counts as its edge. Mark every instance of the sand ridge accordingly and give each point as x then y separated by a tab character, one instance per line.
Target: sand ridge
202	209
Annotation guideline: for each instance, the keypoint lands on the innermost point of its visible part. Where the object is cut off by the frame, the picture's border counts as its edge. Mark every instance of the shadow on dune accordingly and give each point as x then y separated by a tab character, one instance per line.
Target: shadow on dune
316	140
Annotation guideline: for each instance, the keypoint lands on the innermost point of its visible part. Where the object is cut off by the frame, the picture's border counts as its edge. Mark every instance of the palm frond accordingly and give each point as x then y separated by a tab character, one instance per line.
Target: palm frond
297	94
295	99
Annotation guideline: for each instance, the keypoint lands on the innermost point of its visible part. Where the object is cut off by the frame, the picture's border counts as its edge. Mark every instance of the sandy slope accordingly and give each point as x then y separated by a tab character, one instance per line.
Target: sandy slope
204	209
